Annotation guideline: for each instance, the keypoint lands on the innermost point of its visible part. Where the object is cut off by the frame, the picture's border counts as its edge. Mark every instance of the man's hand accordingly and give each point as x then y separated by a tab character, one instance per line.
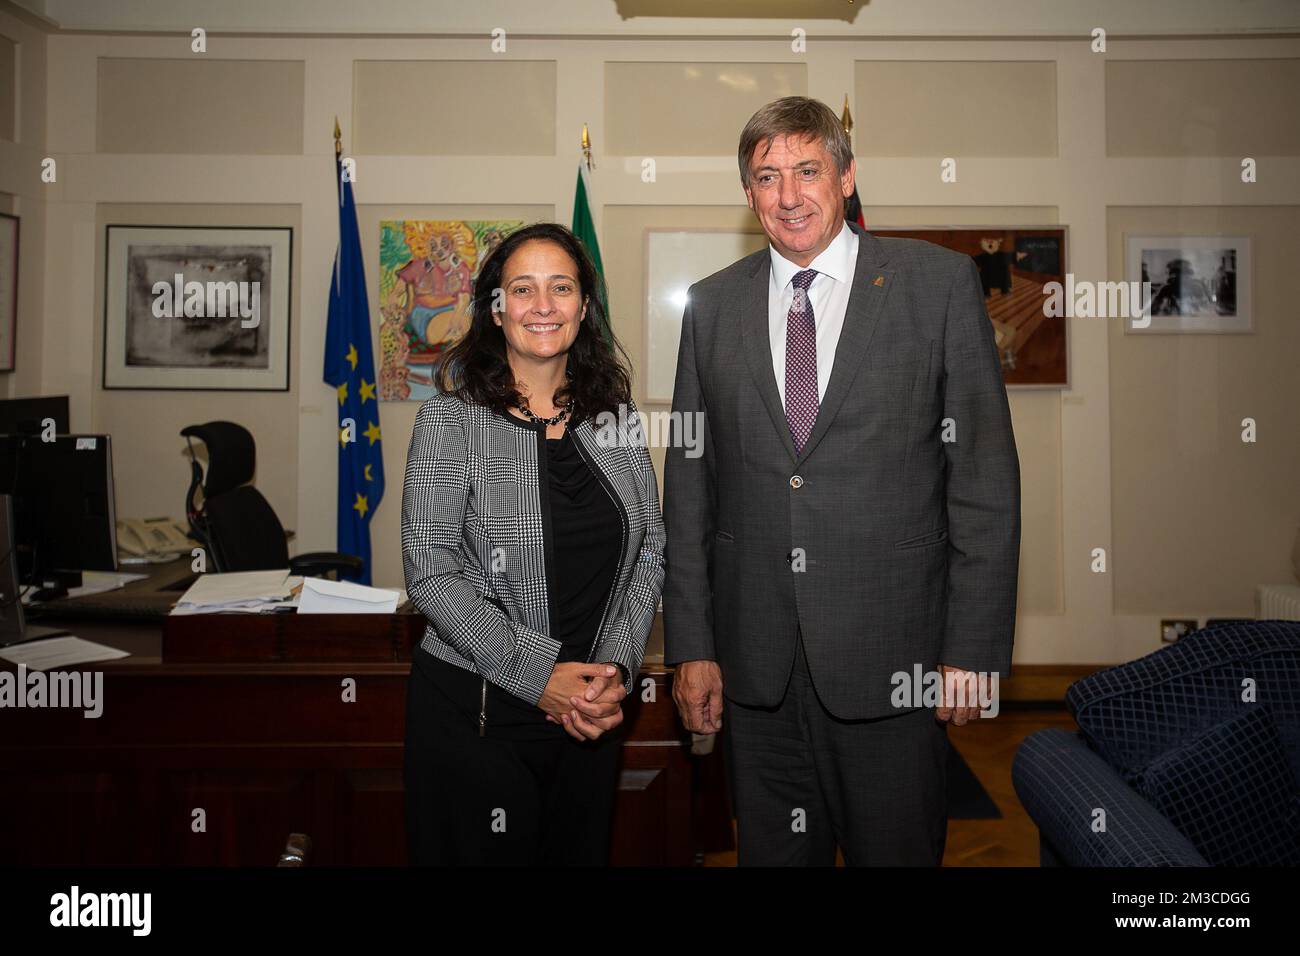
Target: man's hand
594	702
958	685
697	691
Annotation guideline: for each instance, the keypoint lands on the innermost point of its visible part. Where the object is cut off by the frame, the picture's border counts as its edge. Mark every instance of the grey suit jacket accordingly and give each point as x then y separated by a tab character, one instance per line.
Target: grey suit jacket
884	544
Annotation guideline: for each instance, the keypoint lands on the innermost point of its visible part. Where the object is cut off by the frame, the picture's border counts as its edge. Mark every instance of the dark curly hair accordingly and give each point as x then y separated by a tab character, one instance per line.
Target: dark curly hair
477	371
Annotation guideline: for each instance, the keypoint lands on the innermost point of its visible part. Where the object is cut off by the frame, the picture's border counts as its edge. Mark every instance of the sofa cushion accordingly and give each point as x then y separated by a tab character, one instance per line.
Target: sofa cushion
1133	713
1230	791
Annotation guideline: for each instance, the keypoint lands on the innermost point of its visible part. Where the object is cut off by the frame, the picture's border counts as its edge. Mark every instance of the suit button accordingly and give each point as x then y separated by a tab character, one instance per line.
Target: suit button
796	482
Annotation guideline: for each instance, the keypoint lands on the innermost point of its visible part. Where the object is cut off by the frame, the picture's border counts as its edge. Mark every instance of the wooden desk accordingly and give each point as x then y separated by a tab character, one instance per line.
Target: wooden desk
265	745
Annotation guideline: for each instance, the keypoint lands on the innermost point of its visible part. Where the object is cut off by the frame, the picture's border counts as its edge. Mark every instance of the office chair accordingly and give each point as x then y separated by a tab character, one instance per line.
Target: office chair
234	522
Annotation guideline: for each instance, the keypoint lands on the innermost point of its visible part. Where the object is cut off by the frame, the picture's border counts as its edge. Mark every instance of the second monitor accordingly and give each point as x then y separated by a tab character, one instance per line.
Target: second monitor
64	508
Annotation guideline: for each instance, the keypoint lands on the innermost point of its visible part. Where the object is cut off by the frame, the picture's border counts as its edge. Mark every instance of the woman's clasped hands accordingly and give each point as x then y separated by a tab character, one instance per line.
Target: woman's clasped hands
587	699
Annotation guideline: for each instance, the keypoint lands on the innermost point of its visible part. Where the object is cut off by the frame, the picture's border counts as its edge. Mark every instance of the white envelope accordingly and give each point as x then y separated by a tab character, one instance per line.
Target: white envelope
320	596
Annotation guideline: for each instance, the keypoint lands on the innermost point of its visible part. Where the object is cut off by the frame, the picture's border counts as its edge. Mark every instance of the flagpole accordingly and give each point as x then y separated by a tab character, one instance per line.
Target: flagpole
852	205
349	367
338	182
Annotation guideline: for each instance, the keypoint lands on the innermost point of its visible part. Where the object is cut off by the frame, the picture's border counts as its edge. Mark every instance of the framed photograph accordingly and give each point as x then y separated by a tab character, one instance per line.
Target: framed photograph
197	308
8	289
1016	265
676	258
1198	284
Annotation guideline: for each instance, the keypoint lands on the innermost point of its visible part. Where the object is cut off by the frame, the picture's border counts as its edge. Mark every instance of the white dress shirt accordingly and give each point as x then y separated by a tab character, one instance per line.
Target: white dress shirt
829	295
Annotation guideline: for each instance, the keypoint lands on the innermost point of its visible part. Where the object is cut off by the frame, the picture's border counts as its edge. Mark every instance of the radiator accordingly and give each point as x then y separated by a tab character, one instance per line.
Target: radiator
1277	602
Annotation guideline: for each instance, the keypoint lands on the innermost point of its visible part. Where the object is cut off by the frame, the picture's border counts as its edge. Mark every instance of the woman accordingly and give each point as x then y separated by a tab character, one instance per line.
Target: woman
533	544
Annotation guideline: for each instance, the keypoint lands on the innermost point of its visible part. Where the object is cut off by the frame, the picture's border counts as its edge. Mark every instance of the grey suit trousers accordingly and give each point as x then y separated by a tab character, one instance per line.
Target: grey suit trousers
804	782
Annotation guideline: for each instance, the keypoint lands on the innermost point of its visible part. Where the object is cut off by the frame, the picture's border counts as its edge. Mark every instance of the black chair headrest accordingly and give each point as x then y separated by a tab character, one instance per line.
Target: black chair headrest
232	455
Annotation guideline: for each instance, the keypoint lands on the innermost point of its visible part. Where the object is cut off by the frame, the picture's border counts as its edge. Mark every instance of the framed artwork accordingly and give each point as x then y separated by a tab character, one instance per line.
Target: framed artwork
1016	264
197	308
427	270
8	289
674	259
1198	284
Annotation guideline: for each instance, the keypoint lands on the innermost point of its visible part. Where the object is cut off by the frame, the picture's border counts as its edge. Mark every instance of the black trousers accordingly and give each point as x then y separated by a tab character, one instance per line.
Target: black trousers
804	782
474	800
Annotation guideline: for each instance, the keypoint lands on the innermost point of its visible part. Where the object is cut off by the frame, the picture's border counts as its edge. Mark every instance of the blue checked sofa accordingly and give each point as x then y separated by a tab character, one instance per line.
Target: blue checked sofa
1179	767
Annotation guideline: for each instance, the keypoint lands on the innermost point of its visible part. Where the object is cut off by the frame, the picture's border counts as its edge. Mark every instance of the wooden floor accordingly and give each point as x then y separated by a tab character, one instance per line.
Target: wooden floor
988	747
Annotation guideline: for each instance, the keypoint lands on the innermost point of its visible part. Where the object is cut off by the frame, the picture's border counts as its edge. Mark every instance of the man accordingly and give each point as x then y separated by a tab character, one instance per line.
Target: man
855	515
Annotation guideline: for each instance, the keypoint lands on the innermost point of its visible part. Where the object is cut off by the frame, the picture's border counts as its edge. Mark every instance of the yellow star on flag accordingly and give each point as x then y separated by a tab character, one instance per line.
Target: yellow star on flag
343	437
372	432
367	391
361	506
367	474
343	393
352	356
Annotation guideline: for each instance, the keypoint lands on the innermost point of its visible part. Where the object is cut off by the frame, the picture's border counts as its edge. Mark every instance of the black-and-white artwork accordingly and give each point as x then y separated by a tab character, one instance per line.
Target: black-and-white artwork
210	337
197	308
1191	283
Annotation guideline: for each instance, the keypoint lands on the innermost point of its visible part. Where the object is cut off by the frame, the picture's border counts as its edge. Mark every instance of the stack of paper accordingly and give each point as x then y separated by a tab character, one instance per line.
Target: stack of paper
320	596
248	592
51	652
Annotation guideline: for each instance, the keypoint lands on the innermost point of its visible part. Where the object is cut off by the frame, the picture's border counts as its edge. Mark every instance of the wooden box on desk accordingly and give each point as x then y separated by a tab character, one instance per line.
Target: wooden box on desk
653	813
285	638
242	715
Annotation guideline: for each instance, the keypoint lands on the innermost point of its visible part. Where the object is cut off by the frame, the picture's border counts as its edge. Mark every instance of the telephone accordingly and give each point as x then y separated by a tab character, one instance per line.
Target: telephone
151	540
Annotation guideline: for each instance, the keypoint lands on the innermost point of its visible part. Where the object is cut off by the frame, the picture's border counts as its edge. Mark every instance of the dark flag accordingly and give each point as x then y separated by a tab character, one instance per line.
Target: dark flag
853	208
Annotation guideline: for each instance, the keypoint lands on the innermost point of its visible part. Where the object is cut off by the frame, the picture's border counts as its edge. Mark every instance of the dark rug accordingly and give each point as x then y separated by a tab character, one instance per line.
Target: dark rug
967	798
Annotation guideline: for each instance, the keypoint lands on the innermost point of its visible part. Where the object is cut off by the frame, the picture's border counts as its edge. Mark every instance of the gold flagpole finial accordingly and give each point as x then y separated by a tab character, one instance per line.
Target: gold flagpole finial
846	118
586	147
338	138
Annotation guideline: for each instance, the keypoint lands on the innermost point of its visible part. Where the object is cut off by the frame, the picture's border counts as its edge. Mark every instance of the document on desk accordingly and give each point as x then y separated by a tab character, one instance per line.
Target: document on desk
51	652
246	591
320	596
98	582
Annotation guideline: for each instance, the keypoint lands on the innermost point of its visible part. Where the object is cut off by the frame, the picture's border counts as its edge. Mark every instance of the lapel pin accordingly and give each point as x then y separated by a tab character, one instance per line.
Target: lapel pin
878	280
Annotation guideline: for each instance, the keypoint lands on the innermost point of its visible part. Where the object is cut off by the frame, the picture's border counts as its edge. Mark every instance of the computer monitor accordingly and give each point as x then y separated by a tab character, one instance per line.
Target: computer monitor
11	608
64	508
14	629
27	416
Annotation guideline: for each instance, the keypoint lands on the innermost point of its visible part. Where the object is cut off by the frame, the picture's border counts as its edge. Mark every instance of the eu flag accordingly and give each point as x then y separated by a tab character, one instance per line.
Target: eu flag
350	368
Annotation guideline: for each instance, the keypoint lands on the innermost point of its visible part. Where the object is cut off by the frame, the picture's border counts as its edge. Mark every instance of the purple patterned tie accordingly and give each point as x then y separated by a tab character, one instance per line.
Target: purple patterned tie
801	361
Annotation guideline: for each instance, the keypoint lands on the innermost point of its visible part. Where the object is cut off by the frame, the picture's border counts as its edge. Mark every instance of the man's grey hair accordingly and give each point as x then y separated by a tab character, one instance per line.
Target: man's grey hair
798	116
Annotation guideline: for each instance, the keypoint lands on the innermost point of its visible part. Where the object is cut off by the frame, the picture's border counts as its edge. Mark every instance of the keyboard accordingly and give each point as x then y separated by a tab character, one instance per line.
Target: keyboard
150	607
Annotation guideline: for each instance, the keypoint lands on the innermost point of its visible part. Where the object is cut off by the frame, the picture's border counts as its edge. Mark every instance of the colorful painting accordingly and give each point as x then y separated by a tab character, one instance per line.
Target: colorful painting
427	270
1016	265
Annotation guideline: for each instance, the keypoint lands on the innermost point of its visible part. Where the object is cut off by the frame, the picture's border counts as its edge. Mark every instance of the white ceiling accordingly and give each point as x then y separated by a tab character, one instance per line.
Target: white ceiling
632	17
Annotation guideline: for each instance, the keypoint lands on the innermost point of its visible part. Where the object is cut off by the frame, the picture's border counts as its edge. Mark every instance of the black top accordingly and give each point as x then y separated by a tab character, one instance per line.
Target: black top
586	531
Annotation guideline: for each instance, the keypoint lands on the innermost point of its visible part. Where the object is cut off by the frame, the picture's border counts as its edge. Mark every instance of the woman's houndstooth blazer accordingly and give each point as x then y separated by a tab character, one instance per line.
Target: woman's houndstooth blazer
476	541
